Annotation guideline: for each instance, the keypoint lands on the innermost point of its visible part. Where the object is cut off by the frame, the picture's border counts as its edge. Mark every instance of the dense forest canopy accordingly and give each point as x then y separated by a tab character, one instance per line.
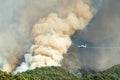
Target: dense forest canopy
59	73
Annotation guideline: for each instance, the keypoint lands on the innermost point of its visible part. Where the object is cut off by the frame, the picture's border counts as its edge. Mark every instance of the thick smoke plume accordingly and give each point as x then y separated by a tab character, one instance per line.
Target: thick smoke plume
16	21
51	37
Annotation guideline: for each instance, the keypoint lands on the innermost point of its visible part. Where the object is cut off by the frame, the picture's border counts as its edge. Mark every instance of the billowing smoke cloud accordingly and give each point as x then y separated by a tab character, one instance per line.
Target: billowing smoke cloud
16	21
51	37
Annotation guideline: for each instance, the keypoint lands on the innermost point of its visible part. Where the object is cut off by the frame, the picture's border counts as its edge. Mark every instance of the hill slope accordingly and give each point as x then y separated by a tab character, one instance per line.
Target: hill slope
59	73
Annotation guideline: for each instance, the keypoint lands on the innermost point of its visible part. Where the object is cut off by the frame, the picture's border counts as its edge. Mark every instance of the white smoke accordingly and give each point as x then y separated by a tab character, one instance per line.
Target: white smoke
51	37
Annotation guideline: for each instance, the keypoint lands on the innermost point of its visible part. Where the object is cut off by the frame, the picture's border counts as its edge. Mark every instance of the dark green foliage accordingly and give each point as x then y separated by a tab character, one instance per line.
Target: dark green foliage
9	76
59	73
46	73
50	73
100	76
115	70
112	73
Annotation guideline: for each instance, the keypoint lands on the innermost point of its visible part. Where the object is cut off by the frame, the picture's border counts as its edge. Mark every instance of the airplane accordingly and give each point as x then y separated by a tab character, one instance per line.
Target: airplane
82	46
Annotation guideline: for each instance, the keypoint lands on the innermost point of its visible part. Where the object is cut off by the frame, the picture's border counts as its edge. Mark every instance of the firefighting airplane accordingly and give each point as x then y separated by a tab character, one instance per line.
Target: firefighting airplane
85	46
82	46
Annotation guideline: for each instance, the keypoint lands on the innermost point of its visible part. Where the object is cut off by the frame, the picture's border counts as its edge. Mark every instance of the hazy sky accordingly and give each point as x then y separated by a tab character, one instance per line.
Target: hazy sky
102	37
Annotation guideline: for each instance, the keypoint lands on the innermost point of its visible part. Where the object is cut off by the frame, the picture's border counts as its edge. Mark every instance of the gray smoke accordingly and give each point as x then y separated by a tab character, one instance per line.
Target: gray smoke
18	17
16	21
102	38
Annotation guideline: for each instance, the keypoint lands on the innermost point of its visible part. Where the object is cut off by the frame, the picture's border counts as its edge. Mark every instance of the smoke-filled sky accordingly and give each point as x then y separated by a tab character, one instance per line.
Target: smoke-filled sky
18	17
16	21
102	37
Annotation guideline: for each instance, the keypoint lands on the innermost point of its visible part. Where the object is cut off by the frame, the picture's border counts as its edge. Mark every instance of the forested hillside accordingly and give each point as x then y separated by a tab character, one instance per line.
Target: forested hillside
59	73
